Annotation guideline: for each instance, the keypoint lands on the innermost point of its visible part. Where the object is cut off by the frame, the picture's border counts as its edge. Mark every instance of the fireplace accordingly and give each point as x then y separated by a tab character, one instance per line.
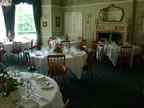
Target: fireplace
111	31
110	36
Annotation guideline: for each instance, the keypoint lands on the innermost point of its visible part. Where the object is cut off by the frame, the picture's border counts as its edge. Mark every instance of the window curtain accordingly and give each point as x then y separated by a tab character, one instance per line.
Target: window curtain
9	18
36	12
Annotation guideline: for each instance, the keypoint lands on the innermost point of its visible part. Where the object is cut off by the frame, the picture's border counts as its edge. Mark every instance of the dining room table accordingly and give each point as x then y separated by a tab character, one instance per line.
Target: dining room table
37	91
8	45
112	51
75	60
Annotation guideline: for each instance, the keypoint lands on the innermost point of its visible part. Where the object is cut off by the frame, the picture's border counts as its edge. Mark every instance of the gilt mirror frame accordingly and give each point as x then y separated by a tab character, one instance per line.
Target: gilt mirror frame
109	16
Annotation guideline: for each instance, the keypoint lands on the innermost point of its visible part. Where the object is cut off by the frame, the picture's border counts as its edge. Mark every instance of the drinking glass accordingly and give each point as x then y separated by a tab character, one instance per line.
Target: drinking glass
3	89
11	69
16	71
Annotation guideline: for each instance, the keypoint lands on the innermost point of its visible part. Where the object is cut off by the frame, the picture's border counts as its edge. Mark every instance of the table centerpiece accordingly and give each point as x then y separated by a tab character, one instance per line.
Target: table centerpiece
58	48
8	84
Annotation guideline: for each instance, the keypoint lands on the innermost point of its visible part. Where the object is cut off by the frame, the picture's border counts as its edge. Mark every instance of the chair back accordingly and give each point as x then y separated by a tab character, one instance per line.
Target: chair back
142	50
90	59
17	47
28	59
56	59
31	68
66	105
1	46
94	45
36	47
65	43
1	55
50	39
125	51
58	72
32	43
100	52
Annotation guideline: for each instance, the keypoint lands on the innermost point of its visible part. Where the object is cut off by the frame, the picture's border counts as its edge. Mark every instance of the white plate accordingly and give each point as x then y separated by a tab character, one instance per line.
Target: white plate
43	83
48	86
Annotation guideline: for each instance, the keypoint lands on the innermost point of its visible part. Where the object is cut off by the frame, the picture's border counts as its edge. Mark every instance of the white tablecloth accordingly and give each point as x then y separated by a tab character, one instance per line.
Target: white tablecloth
74	61
113	51
52	94
8	45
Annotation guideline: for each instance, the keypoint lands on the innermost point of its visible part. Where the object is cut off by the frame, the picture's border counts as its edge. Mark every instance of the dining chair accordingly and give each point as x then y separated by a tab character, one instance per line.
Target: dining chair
31	67
55	59
66	105
1	46
133	42
88	67
48	41
58	73
82	44
100	52
16	49
142	53
35	47
31	42
1	55
65	43
125	55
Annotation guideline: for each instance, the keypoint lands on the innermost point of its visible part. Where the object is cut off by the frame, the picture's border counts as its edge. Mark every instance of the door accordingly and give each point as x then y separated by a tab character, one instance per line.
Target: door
73	24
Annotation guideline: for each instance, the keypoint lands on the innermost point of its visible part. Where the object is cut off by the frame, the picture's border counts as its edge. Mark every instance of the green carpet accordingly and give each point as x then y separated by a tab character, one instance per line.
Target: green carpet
109	87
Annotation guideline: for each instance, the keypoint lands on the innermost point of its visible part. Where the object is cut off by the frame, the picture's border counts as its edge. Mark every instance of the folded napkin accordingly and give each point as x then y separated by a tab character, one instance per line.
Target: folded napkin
29	103
78	53
15	95
39	78
1	96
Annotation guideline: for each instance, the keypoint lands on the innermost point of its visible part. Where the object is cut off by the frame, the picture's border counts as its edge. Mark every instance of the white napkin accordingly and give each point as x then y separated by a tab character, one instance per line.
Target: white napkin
1	96
39	77
15	95
29	103
78	53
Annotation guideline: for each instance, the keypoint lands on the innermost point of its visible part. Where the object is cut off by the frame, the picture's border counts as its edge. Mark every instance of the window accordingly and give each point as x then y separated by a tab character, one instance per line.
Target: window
2	26
24	21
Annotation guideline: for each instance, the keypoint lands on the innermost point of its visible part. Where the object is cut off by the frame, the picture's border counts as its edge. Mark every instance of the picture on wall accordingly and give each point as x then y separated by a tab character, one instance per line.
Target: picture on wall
57	21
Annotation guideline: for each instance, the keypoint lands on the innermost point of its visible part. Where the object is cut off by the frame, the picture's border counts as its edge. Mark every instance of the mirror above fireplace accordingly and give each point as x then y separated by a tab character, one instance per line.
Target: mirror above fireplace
111	14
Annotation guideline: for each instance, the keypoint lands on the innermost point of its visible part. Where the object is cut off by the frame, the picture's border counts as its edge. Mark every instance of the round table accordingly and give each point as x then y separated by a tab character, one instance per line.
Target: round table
53	94
75	60
8	45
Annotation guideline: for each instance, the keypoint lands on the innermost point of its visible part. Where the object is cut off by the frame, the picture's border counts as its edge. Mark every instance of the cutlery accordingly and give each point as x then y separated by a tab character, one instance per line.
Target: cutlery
45	83
37	96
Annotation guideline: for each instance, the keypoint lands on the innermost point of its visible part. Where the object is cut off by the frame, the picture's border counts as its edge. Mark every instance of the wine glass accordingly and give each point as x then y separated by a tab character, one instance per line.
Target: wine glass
3	89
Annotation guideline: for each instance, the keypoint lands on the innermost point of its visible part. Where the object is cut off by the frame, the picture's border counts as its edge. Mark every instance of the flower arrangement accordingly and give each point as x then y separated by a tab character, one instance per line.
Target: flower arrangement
58	48
8	84
119	42
66	37
10	37
6	2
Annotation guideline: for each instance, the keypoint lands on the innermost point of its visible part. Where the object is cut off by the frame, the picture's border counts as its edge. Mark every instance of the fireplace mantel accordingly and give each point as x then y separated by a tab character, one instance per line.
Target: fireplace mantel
113	28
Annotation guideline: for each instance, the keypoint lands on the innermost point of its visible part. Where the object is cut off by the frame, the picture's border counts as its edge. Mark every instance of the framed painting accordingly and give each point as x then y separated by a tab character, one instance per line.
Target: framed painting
57	21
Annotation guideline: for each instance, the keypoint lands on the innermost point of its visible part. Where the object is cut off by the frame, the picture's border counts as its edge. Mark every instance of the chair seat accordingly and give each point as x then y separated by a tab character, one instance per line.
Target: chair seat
85	67
31	68
142	57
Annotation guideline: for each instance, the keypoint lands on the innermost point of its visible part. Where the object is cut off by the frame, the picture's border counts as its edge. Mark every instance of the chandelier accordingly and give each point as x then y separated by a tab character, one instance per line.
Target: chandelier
6	2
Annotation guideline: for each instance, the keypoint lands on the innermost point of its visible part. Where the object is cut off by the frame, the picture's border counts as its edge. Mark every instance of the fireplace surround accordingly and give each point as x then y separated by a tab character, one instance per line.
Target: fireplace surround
112	31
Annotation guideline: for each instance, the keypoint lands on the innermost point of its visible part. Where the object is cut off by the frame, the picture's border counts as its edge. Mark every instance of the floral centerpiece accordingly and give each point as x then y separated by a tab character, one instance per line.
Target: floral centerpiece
10	38
8	84
119	42
66	38
58	48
